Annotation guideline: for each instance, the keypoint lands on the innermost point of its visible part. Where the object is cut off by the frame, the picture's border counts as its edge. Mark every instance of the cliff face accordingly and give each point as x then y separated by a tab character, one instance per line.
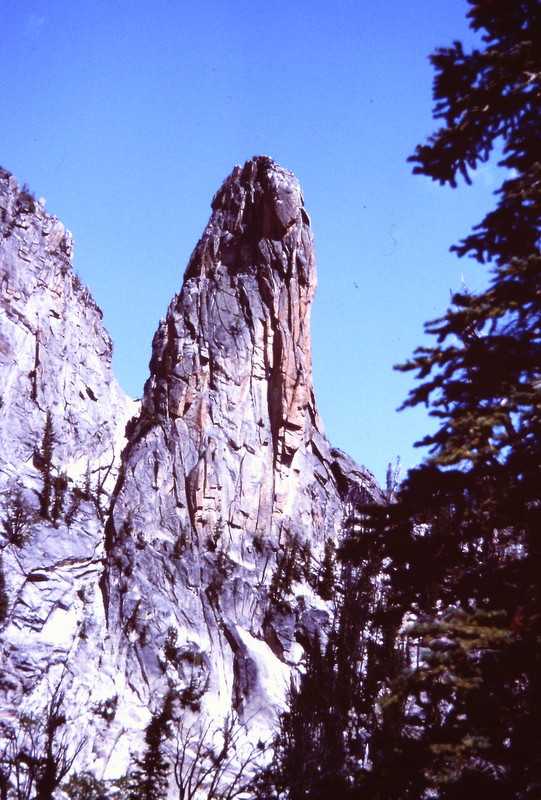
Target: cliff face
227	468
209	552
62	420
61	423
55	354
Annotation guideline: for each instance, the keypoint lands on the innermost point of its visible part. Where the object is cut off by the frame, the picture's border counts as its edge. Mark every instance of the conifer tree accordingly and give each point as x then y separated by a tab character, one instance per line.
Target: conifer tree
321	748
150	778
45	461
4	600
463	543
327	576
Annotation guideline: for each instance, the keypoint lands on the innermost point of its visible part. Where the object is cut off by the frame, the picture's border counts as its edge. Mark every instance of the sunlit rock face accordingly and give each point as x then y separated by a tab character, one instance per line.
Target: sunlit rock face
55	355
228	468
198	579
62	421
230	397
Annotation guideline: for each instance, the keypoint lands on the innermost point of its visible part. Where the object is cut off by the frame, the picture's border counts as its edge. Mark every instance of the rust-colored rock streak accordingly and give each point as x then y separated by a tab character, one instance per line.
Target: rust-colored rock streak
228	467
233	358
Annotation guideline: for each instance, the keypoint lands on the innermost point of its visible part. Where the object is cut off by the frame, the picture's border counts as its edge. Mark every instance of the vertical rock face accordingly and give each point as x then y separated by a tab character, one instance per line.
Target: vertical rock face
197	578
55	354
228	476
231	380
62	419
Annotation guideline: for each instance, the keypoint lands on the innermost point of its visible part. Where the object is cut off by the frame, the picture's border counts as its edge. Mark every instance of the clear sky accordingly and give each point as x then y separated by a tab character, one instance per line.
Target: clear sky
126	115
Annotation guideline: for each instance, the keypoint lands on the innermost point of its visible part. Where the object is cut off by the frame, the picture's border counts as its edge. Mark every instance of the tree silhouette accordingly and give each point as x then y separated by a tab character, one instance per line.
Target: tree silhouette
462	545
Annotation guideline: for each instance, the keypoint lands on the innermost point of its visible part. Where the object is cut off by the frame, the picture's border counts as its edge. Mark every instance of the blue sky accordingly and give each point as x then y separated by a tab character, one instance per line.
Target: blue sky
127	115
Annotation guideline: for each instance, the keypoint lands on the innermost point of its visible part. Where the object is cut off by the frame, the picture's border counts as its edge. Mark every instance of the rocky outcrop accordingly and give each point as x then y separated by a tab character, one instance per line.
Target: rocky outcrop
199	580
229	488
62	421
55	354
62	417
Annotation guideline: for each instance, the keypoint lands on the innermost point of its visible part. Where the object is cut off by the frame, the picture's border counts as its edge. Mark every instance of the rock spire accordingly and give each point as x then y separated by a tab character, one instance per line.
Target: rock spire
231	373
194	582
227	473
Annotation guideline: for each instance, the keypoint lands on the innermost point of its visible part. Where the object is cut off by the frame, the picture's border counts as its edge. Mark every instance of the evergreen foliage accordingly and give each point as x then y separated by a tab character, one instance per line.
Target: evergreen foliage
19	514
150	778
60	485
4	599
447	706
84	786
289	570
462	545
45	462
321	750
327	577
